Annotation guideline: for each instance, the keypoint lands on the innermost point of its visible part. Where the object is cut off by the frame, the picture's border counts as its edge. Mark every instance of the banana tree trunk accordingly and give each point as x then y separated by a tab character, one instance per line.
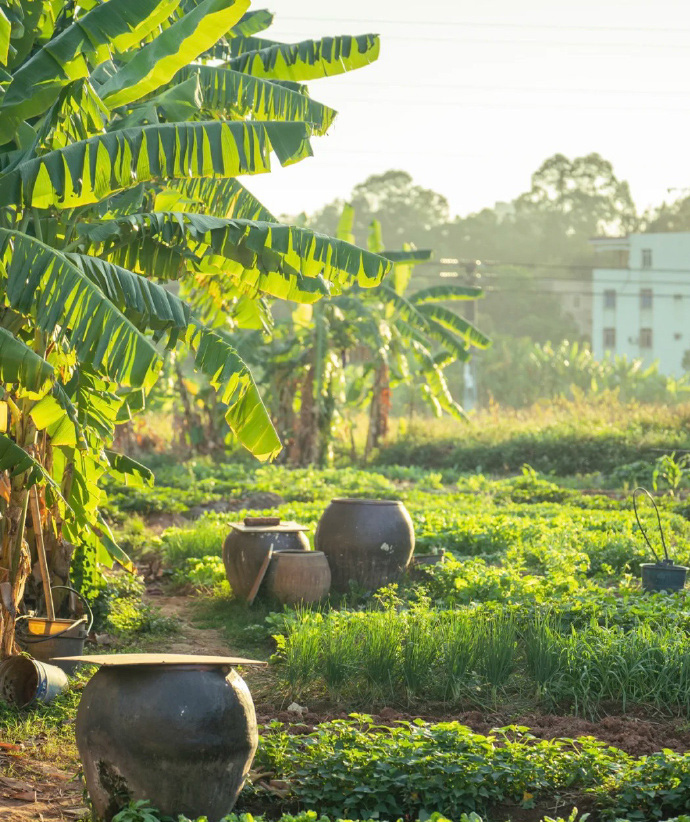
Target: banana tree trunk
379	410
15	556
306	439
15	567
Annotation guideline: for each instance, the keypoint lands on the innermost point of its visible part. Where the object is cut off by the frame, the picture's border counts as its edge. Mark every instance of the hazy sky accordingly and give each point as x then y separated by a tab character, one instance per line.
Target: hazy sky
470	98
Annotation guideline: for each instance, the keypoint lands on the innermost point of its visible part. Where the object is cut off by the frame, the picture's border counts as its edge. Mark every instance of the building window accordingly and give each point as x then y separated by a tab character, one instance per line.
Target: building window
645	338
645	298
609	339
609	298
646	258
677	297
677	336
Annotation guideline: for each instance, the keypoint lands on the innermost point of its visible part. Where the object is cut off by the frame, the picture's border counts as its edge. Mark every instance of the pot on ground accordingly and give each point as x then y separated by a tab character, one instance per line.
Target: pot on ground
298	576
367	542
663	576
246	547
180	736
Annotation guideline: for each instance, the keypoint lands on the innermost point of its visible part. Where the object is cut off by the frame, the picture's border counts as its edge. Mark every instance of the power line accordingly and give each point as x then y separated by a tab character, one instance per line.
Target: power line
505	42
544	292
530	89
377	101
566	266
481	24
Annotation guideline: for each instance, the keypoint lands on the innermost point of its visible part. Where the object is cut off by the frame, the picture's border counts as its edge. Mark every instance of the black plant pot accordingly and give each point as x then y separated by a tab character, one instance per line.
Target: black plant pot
367	541
663	576
182	737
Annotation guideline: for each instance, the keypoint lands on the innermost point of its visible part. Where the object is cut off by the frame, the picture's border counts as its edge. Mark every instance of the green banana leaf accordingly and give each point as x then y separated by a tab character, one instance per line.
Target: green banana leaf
146	303
229	375
15	459
93	169
19	364
437	392
279	259
220	198
443	293
123	467
452	322
43	283
115	26
251	23
310	59
231	47
177	46
230	92
5	31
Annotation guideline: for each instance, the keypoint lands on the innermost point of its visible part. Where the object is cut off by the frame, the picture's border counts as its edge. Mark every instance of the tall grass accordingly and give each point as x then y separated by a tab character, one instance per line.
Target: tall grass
471	655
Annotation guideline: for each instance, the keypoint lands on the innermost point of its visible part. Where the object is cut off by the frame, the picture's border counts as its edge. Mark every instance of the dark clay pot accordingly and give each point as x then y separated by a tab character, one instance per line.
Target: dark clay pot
246	548
367	541
181	737
298	576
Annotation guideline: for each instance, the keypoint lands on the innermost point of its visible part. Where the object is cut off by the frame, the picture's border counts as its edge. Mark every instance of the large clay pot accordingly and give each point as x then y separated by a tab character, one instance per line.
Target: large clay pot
182	737
246	547
369	542
298	576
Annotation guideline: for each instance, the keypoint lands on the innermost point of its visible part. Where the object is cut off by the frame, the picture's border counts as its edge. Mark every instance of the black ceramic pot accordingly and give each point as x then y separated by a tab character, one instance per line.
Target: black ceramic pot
182	737
369	542
246	548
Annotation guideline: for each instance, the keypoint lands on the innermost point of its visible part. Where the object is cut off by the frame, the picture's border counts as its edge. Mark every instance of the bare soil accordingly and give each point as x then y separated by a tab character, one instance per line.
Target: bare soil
634	735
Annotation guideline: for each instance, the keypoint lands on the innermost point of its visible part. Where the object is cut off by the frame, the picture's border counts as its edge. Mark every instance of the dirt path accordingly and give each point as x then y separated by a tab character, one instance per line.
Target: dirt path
188	640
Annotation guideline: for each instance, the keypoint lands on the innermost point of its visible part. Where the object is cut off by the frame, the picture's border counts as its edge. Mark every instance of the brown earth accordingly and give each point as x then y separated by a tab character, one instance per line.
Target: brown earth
631	734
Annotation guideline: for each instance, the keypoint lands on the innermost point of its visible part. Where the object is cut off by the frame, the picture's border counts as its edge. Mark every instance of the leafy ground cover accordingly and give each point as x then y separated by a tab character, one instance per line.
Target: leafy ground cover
534	617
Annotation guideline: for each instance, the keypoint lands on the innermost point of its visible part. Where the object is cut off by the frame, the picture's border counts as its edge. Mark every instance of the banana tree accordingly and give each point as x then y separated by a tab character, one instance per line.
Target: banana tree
351	351
411	336
124	232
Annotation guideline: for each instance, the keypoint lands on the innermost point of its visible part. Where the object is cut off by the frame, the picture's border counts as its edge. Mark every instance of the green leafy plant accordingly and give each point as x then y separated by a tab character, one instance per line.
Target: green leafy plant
123	128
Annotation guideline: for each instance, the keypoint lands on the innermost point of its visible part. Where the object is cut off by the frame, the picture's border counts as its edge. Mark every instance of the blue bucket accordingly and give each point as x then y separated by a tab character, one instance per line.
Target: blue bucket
24	680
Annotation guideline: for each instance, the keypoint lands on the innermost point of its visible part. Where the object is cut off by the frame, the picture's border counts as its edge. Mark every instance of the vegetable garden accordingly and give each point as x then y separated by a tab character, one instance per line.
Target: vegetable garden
522	676
515	671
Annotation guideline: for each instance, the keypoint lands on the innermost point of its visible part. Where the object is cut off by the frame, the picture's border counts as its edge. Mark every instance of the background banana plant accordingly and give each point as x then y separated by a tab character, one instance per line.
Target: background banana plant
125	233
351	351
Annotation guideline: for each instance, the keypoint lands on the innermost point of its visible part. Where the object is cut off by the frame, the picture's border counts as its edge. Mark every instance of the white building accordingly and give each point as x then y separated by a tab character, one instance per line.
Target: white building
641	298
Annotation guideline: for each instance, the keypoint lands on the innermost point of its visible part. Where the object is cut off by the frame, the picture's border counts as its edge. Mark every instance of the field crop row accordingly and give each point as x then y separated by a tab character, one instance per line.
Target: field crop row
350	769
466	656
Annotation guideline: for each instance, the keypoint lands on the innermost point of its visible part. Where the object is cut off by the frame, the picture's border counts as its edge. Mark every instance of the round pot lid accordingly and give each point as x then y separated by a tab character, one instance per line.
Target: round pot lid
282	528
160	659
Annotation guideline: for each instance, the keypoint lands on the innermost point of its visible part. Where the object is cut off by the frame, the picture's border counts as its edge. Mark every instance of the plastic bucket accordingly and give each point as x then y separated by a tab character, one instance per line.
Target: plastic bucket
662	576
47	639
24	680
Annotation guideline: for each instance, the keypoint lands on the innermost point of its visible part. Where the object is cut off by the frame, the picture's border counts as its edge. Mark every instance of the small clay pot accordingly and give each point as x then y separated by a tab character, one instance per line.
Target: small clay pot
298	576
368	542
182	737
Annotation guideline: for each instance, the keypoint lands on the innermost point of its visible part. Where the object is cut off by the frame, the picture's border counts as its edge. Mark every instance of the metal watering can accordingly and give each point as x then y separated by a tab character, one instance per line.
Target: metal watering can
662	575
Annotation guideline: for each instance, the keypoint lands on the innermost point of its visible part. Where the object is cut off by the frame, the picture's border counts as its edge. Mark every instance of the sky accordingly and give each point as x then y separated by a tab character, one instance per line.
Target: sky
470	98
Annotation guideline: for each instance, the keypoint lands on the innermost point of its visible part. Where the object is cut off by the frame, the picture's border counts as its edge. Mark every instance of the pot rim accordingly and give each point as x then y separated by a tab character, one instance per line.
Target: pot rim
365	501
298	551
663	566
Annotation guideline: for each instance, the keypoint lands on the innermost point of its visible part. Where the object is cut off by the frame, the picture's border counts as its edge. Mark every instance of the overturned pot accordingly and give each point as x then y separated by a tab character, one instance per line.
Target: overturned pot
169	729
248	544
368	542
